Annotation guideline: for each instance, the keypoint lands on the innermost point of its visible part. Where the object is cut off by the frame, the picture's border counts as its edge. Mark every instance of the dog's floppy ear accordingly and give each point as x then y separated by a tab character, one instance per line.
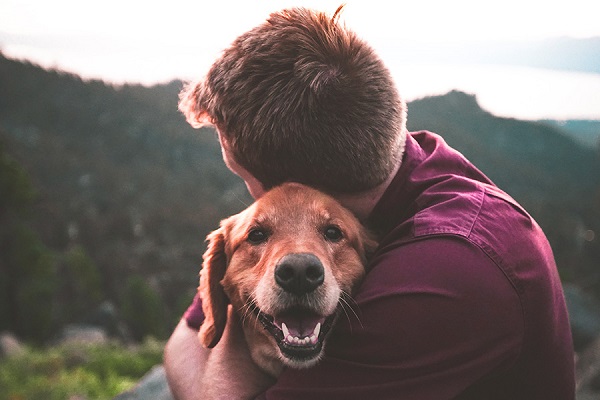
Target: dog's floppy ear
214	299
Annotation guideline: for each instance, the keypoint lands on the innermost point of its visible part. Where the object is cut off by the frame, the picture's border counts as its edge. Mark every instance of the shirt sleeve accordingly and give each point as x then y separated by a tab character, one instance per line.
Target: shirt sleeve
432	318
194	316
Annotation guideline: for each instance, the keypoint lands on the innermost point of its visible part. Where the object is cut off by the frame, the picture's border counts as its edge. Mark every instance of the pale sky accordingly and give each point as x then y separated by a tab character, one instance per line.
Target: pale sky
156	41
56	31
458	19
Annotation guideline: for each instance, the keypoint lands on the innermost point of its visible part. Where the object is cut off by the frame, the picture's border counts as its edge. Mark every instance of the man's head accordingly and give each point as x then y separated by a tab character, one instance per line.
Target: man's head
301	98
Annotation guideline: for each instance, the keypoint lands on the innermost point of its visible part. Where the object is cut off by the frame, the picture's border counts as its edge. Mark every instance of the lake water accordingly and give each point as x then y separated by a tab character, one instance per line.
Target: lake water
519	92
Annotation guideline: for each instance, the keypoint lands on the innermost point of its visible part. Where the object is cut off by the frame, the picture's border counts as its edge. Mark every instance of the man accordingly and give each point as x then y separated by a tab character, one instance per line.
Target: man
461	300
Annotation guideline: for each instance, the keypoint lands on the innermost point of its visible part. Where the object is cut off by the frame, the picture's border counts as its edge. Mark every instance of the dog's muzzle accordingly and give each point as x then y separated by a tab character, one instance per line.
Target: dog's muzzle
299	330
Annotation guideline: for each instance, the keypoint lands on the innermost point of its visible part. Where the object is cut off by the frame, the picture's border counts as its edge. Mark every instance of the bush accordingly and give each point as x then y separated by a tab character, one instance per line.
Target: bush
31	286
90	371
81	285
143	309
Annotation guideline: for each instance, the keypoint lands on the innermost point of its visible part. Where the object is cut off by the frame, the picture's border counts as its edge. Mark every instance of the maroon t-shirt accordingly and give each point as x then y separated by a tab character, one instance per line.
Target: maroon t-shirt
462	299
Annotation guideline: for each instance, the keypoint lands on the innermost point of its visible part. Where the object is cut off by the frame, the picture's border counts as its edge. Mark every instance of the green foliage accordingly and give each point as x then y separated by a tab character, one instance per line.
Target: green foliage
27	267
35	294
143	309
16	191
81	284
31	285
92	371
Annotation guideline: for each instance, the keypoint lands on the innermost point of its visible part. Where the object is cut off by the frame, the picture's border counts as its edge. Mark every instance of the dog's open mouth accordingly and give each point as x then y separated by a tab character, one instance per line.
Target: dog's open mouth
299	332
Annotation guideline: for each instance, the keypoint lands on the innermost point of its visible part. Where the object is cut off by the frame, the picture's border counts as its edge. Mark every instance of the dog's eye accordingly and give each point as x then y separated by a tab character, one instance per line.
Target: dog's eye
333	233
257	236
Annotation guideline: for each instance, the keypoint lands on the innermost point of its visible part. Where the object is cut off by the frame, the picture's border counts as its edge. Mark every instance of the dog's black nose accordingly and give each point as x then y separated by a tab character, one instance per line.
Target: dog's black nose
299	273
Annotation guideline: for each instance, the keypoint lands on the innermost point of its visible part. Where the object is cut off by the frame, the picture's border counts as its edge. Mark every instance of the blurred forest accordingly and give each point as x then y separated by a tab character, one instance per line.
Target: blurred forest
106	195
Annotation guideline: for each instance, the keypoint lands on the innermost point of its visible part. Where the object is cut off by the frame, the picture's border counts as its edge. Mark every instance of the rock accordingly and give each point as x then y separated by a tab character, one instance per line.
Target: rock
10	346
152	386
106	317
82	334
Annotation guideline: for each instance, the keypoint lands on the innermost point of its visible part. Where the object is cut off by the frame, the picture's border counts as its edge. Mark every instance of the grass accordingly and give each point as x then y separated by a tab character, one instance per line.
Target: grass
76	371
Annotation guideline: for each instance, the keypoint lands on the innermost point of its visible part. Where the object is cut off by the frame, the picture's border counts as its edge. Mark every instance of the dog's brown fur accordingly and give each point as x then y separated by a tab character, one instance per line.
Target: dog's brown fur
239	269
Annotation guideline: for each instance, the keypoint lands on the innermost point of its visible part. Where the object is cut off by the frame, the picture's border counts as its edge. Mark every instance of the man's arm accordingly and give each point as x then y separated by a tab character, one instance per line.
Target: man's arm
225	372
184	360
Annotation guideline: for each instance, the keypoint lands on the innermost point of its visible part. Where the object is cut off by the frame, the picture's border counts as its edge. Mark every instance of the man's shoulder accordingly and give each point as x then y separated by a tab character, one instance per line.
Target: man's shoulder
434	264
474	210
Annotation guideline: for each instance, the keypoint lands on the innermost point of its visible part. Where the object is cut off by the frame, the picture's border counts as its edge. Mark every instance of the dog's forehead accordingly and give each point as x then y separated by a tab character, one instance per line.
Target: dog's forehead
295	204
293	209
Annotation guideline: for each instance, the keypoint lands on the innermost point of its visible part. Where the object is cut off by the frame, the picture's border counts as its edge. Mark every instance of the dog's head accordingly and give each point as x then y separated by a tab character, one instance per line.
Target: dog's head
285	264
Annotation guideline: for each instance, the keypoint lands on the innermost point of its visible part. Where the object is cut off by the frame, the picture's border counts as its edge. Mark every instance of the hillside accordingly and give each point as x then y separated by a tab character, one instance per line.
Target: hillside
528	159
118	172
585	132
122	179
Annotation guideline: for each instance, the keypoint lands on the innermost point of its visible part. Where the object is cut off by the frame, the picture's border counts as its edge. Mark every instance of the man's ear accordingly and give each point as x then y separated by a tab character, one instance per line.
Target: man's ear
192	101
214	299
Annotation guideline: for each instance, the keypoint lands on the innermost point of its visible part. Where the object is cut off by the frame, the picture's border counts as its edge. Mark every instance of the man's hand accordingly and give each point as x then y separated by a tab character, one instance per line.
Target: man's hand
225	372
230	371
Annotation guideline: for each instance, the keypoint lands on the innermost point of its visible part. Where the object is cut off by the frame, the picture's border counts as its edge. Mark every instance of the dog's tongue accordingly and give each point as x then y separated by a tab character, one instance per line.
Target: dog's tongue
300	327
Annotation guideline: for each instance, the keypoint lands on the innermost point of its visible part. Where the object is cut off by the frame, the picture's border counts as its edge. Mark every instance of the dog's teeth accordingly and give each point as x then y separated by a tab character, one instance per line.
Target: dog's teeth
295	340
286	331
289	339
317	330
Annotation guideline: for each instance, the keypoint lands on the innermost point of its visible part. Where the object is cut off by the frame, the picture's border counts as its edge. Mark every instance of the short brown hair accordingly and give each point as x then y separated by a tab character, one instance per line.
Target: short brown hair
302	98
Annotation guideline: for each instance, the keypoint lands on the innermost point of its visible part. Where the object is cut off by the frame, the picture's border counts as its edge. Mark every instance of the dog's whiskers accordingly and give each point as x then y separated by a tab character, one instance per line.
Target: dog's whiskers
247	309
250	308
347	302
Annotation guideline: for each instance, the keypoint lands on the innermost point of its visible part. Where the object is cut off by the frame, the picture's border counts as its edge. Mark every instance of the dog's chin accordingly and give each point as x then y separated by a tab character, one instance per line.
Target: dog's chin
299	333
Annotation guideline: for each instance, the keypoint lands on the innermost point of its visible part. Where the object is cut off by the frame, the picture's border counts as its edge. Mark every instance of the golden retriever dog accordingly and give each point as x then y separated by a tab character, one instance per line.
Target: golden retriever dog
287	265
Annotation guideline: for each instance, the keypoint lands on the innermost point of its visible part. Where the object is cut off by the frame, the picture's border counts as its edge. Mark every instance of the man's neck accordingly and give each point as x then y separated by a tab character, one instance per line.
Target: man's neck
362	204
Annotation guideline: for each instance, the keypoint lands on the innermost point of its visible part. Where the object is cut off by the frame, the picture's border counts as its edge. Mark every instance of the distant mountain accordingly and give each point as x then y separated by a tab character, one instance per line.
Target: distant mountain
526	158
586	132
123	176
